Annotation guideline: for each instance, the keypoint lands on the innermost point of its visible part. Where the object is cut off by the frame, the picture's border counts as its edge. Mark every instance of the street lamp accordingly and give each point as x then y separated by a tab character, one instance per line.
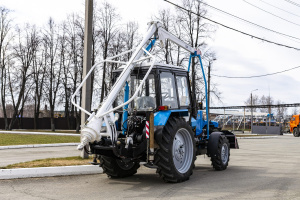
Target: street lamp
252	110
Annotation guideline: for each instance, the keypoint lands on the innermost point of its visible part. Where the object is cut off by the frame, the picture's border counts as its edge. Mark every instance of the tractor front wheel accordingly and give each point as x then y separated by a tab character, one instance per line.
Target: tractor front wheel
295	132
176	155
220	161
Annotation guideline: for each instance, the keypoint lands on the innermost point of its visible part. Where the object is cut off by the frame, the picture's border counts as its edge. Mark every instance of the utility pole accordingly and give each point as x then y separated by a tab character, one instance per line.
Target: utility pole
244	119
269	113
252	110
251	114
87	52
208	86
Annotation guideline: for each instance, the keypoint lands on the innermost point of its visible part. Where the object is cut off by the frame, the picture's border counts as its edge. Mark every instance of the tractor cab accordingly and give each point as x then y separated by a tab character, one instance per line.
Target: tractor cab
166	86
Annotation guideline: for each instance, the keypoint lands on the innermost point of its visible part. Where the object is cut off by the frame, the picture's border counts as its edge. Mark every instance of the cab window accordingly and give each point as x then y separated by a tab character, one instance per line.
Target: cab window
183	91
168	90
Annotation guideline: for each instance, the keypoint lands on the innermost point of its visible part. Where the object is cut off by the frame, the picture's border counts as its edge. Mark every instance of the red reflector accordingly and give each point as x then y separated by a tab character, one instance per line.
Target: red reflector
163	108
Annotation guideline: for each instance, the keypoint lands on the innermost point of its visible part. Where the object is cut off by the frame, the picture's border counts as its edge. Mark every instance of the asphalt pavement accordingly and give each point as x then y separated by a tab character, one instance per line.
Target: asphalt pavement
23	153
260	169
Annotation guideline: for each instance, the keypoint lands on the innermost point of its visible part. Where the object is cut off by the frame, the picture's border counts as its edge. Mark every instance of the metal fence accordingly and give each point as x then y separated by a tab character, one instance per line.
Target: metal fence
43	123
270	130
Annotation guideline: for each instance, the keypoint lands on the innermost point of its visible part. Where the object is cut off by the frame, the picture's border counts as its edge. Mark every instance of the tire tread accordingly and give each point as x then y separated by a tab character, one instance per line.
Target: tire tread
163	157
113	170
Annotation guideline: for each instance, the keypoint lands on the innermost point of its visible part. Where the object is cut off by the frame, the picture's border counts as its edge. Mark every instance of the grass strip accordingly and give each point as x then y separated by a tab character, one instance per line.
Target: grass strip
22	139
47	131
51	162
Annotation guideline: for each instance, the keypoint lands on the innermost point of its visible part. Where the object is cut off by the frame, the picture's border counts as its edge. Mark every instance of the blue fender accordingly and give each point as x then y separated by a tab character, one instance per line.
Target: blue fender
161	117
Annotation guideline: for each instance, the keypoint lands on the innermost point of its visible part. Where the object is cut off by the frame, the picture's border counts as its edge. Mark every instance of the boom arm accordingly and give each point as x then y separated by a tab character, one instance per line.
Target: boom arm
91	130
164	34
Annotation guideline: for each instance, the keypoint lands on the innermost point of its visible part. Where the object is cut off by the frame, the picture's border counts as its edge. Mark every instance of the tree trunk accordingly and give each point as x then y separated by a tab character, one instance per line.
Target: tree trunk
4	112
35	120
52	118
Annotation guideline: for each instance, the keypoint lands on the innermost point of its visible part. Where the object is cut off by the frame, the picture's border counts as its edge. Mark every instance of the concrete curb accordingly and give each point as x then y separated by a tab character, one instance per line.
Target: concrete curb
259	137
39	133
49	171
37	145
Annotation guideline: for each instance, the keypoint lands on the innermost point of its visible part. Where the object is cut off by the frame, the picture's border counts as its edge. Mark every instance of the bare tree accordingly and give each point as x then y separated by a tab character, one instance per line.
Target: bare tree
195	31
75	40
108	19
67	51
266	100
39	72
191	29
167	20
116	46
281	111
53	78
255	101
5	39
130	37
295	111
24	52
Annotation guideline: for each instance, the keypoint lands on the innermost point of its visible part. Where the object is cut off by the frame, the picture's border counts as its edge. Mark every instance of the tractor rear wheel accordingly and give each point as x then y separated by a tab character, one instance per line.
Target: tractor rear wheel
295	132
176	156
220	161
118	168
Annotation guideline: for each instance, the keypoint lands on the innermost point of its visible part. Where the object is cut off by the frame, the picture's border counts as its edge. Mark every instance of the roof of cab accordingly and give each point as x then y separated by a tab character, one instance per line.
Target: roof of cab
156	65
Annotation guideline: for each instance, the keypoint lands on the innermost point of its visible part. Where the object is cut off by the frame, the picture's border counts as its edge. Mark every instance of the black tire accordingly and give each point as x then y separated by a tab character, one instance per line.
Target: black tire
295	132
117	168
220	161
176	156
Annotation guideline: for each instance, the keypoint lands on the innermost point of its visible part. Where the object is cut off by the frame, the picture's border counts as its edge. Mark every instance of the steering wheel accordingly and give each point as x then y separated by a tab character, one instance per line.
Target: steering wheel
165	95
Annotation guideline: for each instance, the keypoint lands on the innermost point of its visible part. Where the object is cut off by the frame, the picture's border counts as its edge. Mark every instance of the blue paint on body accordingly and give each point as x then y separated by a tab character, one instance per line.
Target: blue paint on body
125	108
161	117
151	44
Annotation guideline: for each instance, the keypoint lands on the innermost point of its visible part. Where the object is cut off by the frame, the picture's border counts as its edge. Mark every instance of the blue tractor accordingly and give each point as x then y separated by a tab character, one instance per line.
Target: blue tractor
163	110
151	116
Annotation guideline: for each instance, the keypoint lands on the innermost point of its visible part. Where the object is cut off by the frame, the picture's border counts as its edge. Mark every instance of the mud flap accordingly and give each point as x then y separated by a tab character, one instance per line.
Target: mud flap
232	139
212	146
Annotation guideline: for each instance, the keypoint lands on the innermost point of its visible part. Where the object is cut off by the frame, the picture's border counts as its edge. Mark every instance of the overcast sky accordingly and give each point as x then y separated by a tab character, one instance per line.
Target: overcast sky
237	54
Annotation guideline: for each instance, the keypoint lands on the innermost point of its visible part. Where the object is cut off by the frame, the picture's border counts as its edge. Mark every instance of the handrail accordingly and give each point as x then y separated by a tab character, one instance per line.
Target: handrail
109	60
139	88
88	74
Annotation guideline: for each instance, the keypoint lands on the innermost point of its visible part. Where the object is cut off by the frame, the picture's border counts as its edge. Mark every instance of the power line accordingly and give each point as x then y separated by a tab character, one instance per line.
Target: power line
294	3
233	29
257	76
271	13
249	22
280	8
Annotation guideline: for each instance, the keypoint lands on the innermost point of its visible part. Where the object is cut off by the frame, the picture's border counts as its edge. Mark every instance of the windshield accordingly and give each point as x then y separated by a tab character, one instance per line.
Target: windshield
146	98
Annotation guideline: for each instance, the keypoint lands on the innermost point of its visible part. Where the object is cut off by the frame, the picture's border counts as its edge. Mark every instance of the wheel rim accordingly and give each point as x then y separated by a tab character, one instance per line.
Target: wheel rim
182	150
224	153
